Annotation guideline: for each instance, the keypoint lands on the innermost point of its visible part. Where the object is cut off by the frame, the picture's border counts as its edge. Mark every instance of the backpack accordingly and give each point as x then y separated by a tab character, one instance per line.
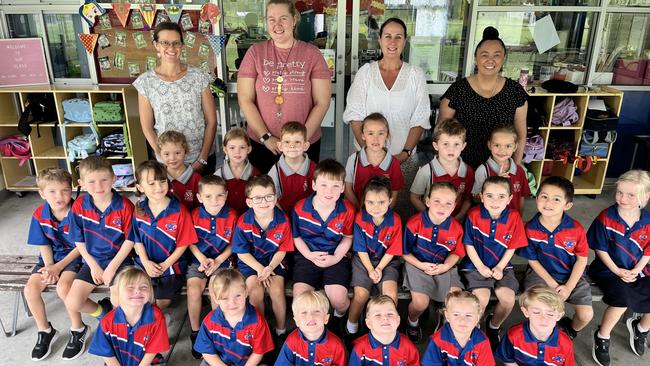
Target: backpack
81	146
16	146
108	112
39	108
77	110
113	144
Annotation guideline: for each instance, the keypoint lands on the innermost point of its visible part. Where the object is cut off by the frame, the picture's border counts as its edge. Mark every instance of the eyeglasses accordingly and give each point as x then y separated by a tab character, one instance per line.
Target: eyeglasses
259	199
167	44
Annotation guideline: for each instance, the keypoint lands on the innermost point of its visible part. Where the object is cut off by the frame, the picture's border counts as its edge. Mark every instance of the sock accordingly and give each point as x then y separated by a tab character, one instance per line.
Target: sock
413	323
97	312
78	330
638	326
338	315
48	330
279	331
601	336
352	327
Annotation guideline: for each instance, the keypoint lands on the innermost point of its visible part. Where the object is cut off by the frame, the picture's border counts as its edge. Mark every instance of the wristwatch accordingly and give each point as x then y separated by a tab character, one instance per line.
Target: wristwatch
408	151
202	161
265	137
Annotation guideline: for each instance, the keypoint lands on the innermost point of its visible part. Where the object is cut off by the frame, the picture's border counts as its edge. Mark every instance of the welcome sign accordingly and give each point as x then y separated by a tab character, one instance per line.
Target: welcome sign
22	62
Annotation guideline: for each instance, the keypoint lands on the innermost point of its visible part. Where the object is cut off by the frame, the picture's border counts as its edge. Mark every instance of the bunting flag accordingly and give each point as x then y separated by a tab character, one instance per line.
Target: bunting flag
210	12
148	13
122	12
89	10
89	41
217	43
174	11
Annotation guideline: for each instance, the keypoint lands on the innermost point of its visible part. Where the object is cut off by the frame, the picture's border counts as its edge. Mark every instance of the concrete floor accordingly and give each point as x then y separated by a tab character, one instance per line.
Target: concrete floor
14	221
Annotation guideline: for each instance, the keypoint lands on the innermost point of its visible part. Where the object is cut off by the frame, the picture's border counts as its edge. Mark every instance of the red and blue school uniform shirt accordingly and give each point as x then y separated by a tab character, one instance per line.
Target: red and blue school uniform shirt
431	243
214	232
377	240
236	186
556	251
491	238
46	229
185	187
521	347
234	345
327	350
518	180
115	337
102	232
162	234
292	186
434	172
368	351
249	238
624	244
322	235
444	350
358	171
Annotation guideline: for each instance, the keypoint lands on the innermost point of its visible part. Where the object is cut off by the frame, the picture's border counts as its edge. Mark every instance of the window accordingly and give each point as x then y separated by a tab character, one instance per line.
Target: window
67	54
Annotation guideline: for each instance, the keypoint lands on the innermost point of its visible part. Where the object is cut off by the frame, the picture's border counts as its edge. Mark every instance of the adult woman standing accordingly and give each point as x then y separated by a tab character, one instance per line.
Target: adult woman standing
486	100
282	80
174	96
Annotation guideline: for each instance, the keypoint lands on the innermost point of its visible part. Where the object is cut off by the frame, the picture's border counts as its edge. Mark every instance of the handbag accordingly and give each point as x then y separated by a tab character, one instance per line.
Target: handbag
597	120
534	149
108	112
81	147
39	108
598	149
77	110
16	146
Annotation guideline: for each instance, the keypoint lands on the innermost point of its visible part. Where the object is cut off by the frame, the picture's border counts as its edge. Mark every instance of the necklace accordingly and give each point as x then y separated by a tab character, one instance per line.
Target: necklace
279	99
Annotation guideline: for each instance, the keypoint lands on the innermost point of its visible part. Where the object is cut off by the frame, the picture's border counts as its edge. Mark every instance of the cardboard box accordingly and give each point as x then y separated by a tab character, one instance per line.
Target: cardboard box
629	72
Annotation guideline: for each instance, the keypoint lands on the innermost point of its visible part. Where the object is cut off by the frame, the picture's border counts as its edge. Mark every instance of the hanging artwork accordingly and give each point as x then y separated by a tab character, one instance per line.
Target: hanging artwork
210	12
174	11
148	12
122	12
186	22
217	42
89	10
89	41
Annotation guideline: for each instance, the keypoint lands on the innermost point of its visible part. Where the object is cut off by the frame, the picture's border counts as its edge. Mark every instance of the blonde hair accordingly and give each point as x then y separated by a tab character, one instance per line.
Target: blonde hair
376	117
543	294
234	134
310	300
131	275
50	175
463	296
380	300
172	137
224	280
642	180
294	128
93	164
507	129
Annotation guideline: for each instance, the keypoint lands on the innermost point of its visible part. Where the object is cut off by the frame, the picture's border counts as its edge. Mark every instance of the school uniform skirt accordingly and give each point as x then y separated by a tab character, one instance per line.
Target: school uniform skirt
634	295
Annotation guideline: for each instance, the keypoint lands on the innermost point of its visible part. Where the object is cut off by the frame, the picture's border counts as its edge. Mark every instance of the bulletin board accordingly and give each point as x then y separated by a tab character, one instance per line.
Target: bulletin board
123	53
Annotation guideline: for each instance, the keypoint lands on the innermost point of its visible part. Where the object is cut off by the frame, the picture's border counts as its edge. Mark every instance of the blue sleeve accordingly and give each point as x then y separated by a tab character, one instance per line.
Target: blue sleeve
468	232
432	355
101	345
240	243
597	236
409	241
505	352
295	228
75	231
285	357
203	342
134	233
530	251
36	235
355	358
359	240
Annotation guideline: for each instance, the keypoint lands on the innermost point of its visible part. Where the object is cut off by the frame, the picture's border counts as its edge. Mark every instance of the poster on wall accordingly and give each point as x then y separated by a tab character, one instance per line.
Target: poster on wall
22	62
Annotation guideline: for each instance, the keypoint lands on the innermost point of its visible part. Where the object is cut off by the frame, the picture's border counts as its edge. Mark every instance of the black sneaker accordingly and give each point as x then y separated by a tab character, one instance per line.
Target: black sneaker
414	333
565	325
600	351
76	345
106	305
492	334
158	360
195	354
637	339
43	342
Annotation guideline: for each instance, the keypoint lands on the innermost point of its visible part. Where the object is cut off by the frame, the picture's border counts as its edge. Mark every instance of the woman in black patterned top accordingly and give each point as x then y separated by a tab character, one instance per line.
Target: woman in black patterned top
486	100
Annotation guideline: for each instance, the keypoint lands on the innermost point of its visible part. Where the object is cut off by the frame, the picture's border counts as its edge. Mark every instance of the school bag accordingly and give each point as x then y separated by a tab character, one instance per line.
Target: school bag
16	146
112	144
39	108
534	149
565	113
108	111
81	147
77	110
123	175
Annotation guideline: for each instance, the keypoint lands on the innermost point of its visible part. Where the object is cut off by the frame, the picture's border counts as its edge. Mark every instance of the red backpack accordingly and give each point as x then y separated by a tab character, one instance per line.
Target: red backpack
16	146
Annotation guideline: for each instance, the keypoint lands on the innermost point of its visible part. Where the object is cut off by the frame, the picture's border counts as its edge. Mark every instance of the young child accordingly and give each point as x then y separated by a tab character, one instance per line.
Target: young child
262	239
372	160
459	342
99	222
184	181
538	340
322	234
502	144
214	223
377	241
384	345
557	252
620	237
59	260
161	232
236	169
293	173
492	234
234	333
432	247
446	166
311	344
134	333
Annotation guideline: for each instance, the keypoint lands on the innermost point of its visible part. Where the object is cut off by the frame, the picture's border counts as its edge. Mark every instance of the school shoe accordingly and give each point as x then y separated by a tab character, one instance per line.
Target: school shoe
565	325
600	350
637	338
492	334
158	360
196	355
76	345
414	333
43	342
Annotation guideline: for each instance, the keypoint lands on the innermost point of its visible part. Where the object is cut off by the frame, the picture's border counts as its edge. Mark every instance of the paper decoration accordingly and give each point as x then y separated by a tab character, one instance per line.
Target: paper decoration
210	12
148	12
174	11
545	35
89	41
136	20
105	22
89	10
103	41
161	17
186	22
217	42
122	12
105	63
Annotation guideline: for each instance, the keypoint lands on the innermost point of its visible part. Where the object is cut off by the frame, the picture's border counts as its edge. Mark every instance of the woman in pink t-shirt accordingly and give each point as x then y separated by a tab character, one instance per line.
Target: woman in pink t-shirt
279	81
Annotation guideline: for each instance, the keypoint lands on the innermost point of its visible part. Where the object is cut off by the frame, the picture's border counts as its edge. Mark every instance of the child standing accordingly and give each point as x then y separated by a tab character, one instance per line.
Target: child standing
234	333
432	247
293	173
262	239
384	345
538	340
311	344
502	144
620	237
172	146
134	333
99	222
557	252
446	166
492	234
214	223
59	260
377	241
236	169
372	160
161	232
460	342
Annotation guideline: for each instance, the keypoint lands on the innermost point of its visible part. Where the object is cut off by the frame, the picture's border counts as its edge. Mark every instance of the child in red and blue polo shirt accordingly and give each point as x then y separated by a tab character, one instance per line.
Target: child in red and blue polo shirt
234	333
183	180
134	333
262	239
538	340
557	252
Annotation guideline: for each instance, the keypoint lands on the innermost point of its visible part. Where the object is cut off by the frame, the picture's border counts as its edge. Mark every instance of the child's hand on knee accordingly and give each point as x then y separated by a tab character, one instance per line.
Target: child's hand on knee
497	273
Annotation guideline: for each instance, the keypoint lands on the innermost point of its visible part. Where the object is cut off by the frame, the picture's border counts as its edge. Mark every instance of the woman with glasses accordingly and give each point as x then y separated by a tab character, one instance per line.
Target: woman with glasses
174	96
282	80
